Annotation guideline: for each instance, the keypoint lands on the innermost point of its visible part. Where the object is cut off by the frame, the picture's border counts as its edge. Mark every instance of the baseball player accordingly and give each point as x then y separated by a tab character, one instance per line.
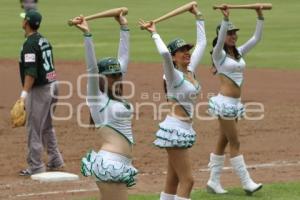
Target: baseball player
176	133
229	64
39	90
112	117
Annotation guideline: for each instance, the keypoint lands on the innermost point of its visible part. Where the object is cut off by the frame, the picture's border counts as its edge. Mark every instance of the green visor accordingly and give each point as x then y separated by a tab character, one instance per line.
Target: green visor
231	27
178	43
107	66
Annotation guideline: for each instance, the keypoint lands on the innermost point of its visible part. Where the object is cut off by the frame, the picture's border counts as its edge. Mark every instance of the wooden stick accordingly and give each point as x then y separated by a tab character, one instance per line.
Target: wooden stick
176	12
108	13
173	13
264	6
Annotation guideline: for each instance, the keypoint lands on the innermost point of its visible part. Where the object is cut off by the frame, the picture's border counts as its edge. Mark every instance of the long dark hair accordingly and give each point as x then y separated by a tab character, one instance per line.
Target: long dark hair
165	88
236	53
111	95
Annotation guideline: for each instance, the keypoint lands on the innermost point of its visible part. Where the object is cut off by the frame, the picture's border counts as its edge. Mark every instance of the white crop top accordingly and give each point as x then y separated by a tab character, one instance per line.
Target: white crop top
228	66
178	88
114	114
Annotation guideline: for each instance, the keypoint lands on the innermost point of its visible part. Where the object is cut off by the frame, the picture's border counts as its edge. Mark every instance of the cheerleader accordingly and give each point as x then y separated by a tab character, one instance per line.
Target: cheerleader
176	133
229	65
111	166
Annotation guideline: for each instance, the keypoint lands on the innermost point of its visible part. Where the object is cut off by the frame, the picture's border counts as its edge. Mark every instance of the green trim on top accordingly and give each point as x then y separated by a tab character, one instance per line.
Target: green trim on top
196	86
221	63
199	16
124	28
131	143
126	104
174	98
87	35
232	80
184	79
180	83
102	109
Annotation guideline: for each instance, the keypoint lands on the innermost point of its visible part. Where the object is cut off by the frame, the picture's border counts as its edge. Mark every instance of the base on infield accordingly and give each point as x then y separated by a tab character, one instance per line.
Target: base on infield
54	177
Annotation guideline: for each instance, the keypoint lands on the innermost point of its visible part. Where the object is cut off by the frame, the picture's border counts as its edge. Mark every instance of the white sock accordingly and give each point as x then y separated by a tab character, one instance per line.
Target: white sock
165	196
180	198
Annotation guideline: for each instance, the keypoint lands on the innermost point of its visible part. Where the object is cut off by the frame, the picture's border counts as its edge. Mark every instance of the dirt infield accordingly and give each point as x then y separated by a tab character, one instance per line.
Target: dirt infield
270	144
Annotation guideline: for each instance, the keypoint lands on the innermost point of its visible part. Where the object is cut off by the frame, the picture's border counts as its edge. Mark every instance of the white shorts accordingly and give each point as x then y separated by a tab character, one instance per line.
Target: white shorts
226	107
175	133
109	167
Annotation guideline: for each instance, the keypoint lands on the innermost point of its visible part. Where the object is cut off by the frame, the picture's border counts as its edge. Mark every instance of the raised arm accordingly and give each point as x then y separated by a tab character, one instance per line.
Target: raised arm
217	54
167	58
123	53
93	91
245	48
92	69
169	70
201	41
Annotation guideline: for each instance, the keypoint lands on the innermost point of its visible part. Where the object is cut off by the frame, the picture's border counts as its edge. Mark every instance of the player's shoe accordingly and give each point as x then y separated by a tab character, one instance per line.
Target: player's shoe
51	167
25	172
29	172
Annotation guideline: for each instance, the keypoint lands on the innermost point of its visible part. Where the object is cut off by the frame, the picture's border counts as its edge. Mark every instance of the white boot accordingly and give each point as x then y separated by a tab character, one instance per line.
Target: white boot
216	165
240	169
165	196
180	198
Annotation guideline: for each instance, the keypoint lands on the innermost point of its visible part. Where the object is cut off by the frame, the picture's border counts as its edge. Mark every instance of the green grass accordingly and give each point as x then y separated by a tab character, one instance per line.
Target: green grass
282	191
278	49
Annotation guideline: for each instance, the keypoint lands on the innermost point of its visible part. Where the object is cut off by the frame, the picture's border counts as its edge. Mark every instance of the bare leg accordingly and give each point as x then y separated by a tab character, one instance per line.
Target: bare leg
228	128
222	142
112	191
180	161
216	163
172	179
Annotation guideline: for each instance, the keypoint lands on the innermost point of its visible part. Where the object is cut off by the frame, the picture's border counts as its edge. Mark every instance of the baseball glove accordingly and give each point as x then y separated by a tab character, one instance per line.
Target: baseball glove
18	114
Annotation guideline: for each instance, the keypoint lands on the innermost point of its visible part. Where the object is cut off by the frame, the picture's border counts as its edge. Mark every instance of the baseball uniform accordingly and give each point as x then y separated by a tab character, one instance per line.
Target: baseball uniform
36	60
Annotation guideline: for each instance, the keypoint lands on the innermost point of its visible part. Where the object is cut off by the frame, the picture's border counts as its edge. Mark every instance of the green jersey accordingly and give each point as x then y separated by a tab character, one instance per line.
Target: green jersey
36	60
